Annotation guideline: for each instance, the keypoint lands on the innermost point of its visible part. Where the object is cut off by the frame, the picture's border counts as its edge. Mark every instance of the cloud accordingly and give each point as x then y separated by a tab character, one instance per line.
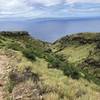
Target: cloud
46	2
13	7
26	9
83	1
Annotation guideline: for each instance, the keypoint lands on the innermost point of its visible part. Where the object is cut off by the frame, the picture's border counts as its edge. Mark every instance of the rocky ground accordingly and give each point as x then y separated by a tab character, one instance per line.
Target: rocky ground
3	62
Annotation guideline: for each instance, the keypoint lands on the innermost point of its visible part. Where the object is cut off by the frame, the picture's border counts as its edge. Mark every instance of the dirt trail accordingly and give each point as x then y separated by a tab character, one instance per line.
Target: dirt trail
3	62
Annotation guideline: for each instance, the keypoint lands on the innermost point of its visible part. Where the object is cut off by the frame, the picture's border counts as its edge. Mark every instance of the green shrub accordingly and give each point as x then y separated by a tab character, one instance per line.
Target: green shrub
67	68
10	86
53	61
48	50
54	64
71	71
12	81
14	46
98	45
28	53
61	57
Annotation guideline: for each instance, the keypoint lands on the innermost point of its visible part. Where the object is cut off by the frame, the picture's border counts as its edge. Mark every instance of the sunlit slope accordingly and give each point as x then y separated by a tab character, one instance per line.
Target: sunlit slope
55	85
76	47
82	49
77	54
34	72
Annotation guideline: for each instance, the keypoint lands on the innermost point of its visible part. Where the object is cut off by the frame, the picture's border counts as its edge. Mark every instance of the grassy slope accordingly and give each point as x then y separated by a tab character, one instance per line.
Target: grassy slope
74	48
81	49
57	85
77	54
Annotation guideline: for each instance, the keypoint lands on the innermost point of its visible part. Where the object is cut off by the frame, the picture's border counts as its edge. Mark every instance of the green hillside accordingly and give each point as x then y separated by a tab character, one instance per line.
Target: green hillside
82	49
37	70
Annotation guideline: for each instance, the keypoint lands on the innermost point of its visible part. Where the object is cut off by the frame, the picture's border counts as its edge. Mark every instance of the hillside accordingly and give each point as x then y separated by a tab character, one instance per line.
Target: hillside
35	70
82	49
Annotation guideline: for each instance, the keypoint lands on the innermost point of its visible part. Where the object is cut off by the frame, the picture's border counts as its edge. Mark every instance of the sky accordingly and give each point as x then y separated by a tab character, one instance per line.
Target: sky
50	19
30	9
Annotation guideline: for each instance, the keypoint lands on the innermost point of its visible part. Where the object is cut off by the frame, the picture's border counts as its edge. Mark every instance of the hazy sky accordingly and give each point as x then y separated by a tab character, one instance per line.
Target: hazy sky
50	19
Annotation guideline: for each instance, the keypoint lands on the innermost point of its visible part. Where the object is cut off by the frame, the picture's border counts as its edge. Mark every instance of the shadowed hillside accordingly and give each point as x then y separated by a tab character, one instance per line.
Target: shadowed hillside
35	70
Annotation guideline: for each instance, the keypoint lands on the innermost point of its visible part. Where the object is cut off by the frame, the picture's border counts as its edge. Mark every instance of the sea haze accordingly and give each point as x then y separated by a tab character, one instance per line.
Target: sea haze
50	29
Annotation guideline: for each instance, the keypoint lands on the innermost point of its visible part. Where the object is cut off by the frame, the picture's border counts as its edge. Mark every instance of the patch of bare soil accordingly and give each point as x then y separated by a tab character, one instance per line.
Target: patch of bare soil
3	62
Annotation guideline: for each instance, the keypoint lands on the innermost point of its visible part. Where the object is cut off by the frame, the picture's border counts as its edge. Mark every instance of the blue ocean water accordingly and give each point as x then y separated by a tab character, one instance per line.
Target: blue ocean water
52	29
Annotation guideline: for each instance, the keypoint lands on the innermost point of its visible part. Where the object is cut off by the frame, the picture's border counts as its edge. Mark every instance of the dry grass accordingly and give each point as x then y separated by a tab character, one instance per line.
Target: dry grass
76	54
59	87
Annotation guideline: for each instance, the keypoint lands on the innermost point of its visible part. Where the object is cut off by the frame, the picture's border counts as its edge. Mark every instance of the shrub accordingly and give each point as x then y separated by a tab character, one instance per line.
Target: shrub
28	53
67	68
16	77
37	51
28	74
72	71
98	45
48	50
61	57
10	86
13	80
55	64
14	46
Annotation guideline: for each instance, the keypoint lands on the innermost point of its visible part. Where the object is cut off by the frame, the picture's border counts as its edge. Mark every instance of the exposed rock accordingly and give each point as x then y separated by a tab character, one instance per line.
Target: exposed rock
26	91
92	62
14	33
27	74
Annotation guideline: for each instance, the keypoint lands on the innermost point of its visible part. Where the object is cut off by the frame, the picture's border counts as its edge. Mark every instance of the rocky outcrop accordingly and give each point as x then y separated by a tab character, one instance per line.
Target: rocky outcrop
93	62
80	38
14	33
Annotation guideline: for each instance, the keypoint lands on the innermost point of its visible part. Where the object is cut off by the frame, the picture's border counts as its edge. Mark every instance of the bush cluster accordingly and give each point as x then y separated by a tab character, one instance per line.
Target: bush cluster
67	68
28	53
14	46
